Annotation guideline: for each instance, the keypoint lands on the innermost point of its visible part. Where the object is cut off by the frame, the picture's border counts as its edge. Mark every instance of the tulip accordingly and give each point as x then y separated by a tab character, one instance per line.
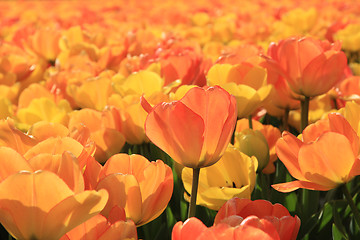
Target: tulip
105	130
271	134
141	187
232	176
250	228
253	143
12	137
195	130
41	206
100	228
246	81
43	109
311	67
314	161
349	36
286	225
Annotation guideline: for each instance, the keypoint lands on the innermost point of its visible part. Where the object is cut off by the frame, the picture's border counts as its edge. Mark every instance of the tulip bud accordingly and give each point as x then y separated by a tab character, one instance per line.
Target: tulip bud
253	143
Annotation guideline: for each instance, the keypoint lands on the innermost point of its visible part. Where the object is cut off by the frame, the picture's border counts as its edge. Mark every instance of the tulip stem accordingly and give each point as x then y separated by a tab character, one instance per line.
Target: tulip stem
250	122
304	105
351	204
194	188
286	120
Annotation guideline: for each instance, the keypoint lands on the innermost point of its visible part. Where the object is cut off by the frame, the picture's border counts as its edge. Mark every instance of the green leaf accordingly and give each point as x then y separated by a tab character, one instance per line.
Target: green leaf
325	216
338	220
337	234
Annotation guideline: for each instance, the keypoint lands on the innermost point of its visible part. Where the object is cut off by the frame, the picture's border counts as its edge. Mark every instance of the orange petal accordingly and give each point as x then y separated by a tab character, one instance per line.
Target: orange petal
25	199
124	191
325	165
178	131
294	185
287	148
73	211
16	164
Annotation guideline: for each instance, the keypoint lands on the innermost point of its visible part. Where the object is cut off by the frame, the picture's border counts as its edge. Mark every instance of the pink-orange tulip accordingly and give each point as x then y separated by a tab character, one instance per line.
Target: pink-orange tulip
195	130
286	225
314	160
250	228
311	67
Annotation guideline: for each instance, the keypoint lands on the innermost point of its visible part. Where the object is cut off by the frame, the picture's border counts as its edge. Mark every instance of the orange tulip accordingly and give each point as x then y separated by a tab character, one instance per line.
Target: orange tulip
286	225
12	137
100	228
250	228
105	130
195	130
311	67
141	187
314	160
41	206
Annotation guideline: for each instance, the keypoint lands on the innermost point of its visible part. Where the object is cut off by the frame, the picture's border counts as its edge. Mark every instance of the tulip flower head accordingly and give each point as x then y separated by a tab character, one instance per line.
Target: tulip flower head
311	67
195	130
314	161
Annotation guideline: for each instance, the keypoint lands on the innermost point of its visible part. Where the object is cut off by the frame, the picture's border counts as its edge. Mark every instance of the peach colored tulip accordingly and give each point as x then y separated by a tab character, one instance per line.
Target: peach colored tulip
100	228
41	206
311	67
314	161
105	130
286	225
143	188
195	130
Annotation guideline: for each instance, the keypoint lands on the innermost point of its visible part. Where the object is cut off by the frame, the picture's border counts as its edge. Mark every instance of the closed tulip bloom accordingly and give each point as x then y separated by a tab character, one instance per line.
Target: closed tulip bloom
286	226
314	161
41	206
253	143
195	130
271	133
311	67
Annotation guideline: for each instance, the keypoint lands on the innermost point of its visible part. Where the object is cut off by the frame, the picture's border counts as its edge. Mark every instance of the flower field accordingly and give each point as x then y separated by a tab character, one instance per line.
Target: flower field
180	120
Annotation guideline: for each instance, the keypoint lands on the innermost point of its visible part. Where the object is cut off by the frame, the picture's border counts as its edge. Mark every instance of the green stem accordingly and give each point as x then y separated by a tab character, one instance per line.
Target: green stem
250	122
286	120
194	188
304	107
351	204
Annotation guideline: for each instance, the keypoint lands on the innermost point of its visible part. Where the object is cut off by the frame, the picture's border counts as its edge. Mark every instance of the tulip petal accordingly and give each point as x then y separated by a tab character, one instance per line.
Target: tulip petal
73	211
124	191
169	126
16	163
325	165
294	185
287	148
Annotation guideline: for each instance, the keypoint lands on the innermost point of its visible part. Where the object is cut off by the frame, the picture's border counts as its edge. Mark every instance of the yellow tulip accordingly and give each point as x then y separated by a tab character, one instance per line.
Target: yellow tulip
43	109
232	176
245	81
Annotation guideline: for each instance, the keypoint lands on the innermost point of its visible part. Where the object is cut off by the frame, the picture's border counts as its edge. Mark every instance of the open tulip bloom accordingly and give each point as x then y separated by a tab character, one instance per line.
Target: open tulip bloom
314	160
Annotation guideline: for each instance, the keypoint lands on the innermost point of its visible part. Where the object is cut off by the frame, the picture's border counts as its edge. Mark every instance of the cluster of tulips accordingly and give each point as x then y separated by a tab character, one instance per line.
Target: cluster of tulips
181	120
